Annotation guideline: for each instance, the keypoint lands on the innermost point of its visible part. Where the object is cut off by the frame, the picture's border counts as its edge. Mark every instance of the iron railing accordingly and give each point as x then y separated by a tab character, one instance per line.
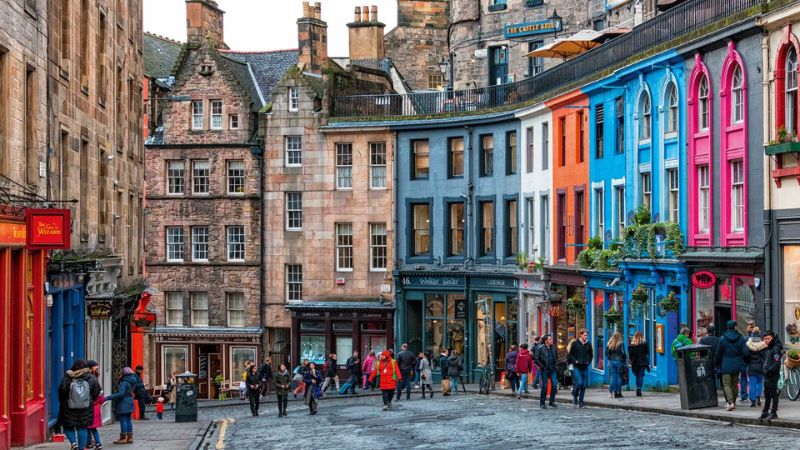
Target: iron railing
689	17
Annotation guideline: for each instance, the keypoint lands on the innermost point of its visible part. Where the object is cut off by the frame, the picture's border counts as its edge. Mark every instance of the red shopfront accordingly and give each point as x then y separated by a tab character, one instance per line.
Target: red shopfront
25	237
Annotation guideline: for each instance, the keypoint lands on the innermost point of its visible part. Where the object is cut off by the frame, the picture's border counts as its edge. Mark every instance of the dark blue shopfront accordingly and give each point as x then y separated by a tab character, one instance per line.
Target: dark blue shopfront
65	338
474	313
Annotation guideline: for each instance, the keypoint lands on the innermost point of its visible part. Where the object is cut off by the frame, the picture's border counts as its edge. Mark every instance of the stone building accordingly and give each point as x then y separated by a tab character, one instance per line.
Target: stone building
328	206
95	157
204	202
23	184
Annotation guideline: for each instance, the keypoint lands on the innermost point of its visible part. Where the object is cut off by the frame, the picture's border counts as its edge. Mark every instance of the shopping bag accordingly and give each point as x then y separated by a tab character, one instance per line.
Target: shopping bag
445	386
504	383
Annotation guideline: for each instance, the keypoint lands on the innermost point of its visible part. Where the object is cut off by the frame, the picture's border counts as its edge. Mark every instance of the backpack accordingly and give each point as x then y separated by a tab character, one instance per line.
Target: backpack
80	396
325	366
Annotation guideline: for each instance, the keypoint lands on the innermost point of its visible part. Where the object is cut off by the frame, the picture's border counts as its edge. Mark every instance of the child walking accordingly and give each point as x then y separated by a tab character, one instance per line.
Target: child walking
94	431
160	408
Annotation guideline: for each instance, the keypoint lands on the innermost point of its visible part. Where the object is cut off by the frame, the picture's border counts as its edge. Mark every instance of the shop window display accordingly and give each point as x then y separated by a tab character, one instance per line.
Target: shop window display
238	357
312	348
791	295
704	310
173	360
744	292
598	307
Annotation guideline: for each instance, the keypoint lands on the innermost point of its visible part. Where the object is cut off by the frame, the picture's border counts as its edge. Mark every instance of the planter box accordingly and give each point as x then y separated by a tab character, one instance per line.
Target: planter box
530	3
497	7
784	147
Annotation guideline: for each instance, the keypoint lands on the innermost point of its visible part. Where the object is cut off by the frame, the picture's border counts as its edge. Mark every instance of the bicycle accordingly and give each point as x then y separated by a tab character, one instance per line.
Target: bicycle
790	382
486	382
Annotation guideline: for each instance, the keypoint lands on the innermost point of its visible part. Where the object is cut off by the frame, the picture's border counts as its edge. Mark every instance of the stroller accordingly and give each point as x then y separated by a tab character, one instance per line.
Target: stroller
563	374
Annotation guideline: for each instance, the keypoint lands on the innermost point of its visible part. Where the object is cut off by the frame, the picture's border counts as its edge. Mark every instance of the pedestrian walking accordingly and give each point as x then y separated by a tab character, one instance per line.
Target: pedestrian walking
265	374
330	373
425	374
754	358
313	380
93	441
416	372
455	364
546	359
282	380
443	366
354	367
772	369
407	361
77	394
160	408
711	339
172	391
744	388
511	369
639	359
123	405
142	397
522	367
682	340
580	356
366	370
299	378
537	377
389	372
615	355
730	359
253	381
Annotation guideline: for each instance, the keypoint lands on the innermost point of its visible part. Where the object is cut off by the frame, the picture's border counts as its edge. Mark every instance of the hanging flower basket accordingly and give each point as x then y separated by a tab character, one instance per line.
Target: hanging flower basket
639	298
613	318
670	303
576	306
556	311
793	359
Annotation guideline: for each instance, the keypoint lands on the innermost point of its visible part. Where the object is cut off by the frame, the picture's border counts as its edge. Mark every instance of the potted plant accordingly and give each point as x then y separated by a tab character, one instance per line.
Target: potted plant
613	317
522	260
793	359
534	266
639	298
576	306
670	303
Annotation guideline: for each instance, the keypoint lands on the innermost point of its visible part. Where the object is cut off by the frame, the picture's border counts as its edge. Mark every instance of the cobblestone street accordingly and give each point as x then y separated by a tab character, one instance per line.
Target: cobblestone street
481	422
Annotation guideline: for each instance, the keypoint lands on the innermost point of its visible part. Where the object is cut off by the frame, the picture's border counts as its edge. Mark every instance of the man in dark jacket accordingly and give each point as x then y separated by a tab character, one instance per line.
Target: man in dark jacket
142	397
546	359
443	367
353	364
330	373
580	356
406	360
730	359
265	375
772	369
73	419
712	341
511	369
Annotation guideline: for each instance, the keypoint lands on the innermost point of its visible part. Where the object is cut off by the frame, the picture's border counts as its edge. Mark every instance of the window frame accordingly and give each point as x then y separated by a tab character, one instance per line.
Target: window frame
646	190
197	114
293	150
416	173
673	195
619	114
344	171
561	224
673	113
737	95
511	231
343	254
228	309
299	211
530	149
620	216
173	181
197	178
200	243
600	213
703	198
179	247
599	131
376	149
645	108
511	152
293	282
703	104
737	210
482	229
545	145
375	246
293	99
216	116
235	247
173	295
449	230
451	156
486	155
194	295
233	175
412	230
790	90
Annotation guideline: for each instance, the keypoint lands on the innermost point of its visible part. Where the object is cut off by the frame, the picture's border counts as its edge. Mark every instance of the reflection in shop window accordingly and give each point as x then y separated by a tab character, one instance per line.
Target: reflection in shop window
791	295
312	348
434	335
173	360
344	347
745	301
455	335
704	310
597	327
482	351
239	356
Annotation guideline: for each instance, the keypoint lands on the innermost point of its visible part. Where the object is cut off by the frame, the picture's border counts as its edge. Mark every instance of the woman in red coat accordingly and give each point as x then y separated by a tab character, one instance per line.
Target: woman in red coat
389	374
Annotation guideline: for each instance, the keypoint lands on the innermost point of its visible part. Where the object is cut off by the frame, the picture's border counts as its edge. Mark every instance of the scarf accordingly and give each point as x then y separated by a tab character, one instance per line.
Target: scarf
394	372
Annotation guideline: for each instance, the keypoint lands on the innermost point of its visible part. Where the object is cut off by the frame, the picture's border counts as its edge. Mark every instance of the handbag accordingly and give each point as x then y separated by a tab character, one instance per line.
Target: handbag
624	374
445	386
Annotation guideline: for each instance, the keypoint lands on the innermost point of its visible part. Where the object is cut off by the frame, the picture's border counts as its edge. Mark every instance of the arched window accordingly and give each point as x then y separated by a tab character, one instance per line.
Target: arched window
791	91
672	108
703	105
644	113
737	95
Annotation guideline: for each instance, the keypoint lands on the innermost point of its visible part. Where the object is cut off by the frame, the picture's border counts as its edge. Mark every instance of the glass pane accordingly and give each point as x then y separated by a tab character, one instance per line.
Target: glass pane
481	339
375	344
501	340
238	358
745	301
791	295
174	361
344	347
434	335
455	335
598	327
312	348
725	293
434	305
704	310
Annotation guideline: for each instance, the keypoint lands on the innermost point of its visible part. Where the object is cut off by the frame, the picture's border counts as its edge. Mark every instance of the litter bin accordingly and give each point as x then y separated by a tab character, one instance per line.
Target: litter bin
186	404
696	377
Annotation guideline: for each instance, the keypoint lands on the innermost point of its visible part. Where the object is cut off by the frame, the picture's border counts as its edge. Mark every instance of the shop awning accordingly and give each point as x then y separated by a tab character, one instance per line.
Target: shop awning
342	305
207	332
719	256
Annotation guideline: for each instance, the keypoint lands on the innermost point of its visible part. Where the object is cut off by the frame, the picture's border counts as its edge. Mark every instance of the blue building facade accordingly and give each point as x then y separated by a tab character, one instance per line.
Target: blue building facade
637	131
458	216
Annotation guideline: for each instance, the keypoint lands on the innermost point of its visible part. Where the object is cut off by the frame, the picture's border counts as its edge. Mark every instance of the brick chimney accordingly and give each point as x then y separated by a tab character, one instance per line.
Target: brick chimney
204	23
312	37
366	34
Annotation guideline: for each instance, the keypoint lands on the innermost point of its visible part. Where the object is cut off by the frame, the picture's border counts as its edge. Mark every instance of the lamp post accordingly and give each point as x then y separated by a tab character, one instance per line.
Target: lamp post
443	64
555	21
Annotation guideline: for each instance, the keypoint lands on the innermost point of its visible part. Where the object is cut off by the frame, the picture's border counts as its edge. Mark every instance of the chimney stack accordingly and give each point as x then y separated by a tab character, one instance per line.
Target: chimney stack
204	23
312	37
366	35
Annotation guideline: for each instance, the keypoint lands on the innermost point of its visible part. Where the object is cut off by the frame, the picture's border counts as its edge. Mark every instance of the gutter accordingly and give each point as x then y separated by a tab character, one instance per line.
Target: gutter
258	152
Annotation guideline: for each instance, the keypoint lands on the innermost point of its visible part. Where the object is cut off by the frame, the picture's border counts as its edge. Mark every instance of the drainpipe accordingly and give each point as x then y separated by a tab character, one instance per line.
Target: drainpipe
767	216
467	233
258	152
395	196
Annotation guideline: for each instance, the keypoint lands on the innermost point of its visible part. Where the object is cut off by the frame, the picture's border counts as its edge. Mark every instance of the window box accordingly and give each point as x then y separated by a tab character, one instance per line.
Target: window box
782	147
530	3
497	7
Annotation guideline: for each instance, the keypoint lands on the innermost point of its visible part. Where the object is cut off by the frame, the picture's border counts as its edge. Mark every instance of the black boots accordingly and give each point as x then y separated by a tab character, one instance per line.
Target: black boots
638	392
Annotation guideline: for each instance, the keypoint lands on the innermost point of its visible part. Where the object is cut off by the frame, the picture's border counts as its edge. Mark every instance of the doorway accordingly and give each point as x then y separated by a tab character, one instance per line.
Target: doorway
498	65
414	326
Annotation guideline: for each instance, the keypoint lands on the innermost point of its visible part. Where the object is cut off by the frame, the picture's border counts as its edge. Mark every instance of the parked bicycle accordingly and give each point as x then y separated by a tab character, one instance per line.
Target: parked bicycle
790	380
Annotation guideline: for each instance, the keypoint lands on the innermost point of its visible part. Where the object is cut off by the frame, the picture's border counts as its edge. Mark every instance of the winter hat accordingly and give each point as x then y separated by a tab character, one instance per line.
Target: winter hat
387	355
127	371
731	324
92	363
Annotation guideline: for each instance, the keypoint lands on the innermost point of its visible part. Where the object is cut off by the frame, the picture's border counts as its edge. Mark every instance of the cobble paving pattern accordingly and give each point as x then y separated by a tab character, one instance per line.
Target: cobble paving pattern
478	422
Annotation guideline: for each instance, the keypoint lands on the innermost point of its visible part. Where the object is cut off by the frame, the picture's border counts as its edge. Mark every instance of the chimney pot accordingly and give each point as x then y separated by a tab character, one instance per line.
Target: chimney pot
306	10
373	17
357	14
317	11
365	13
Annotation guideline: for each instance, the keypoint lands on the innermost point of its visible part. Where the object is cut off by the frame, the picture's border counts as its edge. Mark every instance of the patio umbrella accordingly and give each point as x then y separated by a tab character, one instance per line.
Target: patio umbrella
569	46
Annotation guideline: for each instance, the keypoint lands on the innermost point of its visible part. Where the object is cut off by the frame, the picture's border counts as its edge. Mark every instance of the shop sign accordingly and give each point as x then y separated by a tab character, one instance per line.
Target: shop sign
529	28
414	281
386	288
100	309
703	280
12	234
461	309
507	283
48	229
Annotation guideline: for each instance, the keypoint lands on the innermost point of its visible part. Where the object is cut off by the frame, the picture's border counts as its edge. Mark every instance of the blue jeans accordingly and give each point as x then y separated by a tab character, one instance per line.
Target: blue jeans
743	384
537	380
125	423
416	377
404	383
523	384
756	385
638	373
615	384
543	391
580	378
77	436
454	385
95	433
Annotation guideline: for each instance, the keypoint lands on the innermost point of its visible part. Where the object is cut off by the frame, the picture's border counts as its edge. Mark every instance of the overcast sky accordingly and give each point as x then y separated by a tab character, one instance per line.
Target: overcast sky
265	24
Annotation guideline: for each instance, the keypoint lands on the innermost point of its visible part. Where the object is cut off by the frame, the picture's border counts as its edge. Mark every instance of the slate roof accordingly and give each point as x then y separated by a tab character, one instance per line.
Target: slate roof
160	55
268	67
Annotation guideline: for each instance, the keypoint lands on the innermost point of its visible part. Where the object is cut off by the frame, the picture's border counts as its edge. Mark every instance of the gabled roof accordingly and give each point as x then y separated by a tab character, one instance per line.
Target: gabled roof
266	68
160	55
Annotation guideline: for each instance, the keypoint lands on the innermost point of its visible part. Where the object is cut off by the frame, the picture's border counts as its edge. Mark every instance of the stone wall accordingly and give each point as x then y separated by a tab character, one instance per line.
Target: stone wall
204	22
416	53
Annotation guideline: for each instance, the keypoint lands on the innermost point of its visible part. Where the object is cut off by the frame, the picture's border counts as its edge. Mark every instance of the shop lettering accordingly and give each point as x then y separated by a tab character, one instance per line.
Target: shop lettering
438	281
500	283
528	28
703	280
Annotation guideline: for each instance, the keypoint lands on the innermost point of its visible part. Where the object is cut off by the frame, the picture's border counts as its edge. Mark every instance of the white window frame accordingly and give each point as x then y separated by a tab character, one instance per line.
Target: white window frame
672	108
737	95
673	195
294	99
230	296
198	177
169	307
176	184
233	121
294	212
737	195
645	117
235	239
236	176
196	295
344	171
646	186
703	199
197	114
377	163
216	115
175	249
703	104
790	102
600	213
378	247
164	349
344	247
200	245
294	282
293	147
619	207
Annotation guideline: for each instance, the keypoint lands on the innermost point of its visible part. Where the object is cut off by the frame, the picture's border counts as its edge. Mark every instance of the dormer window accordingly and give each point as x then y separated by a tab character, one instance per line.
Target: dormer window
206	69
294	99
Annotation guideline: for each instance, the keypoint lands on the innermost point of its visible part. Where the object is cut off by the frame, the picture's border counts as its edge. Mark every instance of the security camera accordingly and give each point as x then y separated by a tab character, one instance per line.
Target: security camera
614	282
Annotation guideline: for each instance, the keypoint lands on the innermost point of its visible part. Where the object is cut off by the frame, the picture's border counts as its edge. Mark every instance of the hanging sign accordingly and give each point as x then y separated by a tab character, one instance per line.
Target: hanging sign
100	309
529	28
703	280
12	234
48	229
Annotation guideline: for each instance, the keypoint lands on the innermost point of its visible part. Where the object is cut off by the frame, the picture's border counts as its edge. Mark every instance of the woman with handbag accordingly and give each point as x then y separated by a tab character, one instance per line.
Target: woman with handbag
425	374
615	355
639	359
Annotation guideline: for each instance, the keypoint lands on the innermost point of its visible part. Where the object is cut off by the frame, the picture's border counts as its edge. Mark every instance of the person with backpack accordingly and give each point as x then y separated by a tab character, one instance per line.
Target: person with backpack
754	358
77	393
455	364
329	371
389	372
123	406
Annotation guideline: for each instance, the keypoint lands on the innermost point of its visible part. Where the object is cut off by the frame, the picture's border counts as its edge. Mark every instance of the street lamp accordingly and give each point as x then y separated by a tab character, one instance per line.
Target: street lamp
555	21
443	67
